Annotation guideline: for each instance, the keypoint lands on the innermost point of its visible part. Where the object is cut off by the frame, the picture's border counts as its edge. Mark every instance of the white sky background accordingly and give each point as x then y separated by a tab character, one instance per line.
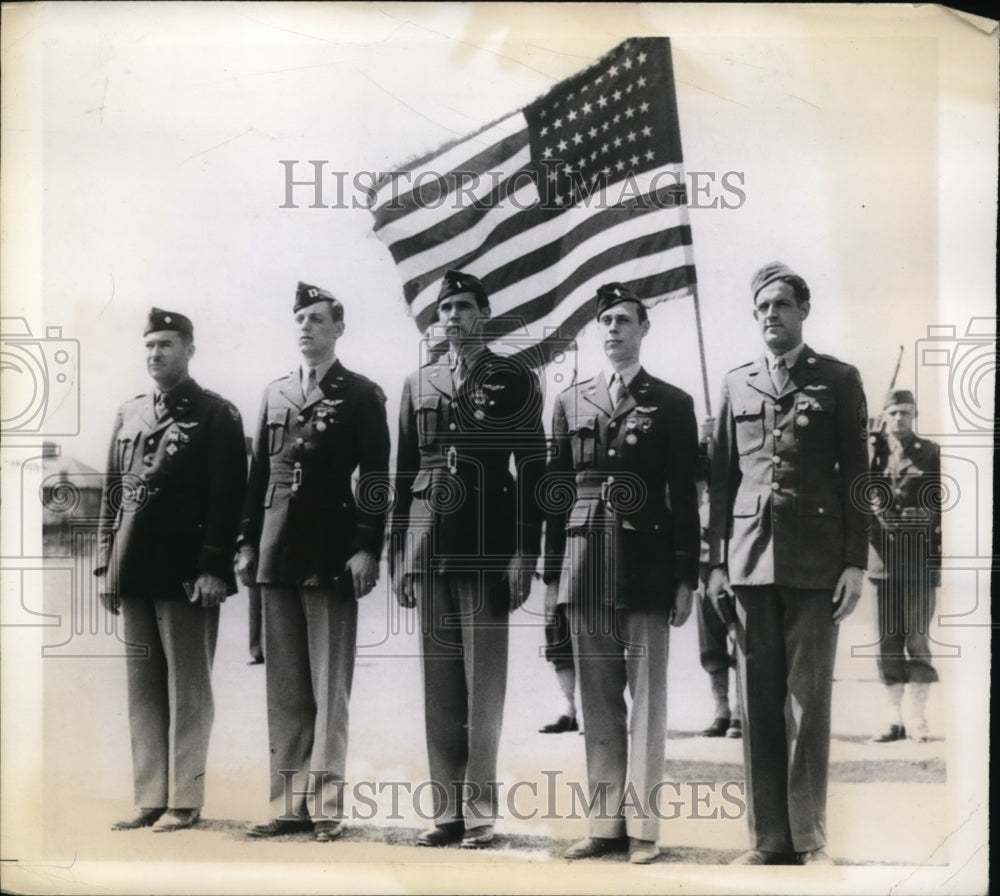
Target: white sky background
162	126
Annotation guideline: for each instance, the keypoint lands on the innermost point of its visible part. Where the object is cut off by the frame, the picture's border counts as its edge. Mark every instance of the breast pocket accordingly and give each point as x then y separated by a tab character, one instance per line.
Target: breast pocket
277	427
583	439
749	419
814	417
428	423
127	445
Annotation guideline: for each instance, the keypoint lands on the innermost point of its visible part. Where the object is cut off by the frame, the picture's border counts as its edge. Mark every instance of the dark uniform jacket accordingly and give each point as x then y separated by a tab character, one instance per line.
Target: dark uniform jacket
788	475
172	498
457	504
630	472
301	514
906	493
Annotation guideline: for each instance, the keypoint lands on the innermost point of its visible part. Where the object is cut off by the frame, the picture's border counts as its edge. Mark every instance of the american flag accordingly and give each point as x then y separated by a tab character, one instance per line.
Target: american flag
581	187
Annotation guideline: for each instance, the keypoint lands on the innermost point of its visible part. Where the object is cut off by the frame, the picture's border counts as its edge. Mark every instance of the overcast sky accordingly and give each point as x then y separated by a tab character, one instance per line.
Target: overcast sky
154	134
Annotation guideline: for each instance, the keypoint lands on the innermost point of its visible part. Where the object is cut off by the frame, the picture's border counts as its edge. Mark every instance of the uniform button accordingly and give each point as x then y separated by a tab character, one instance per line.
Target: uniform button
299	441
301	419
150	440
776	460
612	424
611	452
298	464
777	433
820	511
775	486
775	407
452	426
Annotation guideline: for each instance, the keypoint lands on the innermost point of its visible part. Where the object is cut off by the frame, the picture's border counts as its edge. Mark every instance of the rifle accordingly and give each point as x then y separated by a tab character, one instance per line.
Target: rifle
876	425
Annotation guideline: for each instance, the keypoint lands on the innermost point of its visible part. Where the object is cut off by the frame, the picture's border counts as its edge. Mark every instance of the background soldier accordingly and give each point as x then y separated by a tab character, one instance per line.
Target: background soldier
625	560
468	540
790	444
713	630
314	550
905	561
169	513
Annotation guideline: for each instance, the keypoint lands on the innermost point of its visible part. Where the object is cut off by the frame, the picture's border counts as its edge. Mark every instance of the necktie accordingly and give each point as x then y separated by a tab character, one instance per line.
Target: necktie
457	373
617	389
310	382
779	375
160	406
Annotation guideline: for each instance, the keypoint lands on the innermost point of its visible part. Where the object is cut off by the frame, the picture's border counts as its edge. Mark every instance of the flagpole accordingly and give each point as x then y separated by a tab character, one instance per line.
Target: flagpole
701	349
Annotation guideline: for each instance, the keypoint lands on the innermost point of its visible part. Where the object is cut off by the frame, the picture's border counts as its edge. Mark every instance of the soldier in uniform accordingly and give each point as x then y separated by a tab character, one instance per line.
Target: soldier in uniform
169	514
624	558
314	550
466	543
905	561
790	444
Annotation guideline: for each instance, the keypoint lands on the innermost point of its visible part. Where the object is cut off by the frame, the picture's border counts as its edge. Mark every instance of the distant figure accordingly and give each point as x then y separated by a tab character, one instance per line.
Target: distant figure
713	630
905	562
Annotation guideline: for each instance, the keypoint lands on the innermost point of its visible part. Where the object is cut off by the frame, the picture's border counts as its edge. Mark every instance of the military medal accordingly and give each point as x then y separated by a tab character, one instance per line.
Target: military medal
320	425
631	438
802	420
171	449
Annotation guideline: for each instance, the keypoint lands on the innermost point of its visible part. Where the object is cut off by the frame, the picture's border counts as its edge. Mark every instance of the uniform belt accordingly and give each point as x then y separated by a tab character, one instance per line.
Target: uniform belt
590	490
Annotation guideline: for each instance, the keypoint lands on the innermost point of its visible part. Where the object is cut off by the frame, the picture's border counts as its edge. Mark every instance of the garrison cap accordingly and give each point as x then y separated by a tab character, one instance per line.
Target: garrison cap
611	294
776	270
168	320
306	295
899	396
455	282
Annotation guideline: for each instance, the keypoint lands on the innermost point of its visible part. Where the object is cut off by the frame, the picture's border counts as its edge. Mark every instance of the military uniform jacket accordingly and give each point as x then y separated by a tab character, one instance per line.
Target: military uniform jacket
173	493
301	513
906	524
788	475
630	473
457	504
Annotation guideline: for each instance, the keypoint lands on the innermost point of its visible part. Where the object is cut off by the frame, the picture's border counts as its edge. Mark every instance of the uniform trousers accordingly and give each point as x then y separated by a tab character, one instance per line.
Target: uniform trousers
311	636
170	704
713	638
614	650
464	637
905	610
787	642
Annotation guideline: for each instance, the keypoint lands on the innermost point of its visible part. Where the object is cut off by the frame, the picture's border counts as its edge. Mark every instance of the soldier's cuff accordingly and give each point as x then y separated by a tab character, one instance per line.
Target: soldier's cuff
369	538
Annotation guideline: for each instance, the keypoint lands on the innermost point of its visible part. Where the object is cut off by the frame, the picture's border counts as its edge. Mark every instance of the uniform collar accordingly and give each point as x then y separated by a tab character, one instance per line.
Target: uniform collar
789	357
627	374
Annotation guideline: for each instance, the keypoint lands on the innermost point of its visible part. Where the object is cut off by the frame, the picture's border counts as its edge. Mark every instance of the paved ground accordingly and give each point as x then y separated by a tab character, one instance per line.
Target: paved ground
888	803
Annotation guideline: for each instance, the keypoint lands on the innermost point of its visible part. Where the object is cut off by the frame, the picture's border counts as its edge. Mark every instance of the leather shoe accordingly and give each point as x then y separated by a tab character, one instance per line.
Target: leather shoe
735	729
643	852
277	826
476	838
815	857
256	661
592	847
144	819
442	835
563	723
761	857
177	820
718	728
325	831
892	733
